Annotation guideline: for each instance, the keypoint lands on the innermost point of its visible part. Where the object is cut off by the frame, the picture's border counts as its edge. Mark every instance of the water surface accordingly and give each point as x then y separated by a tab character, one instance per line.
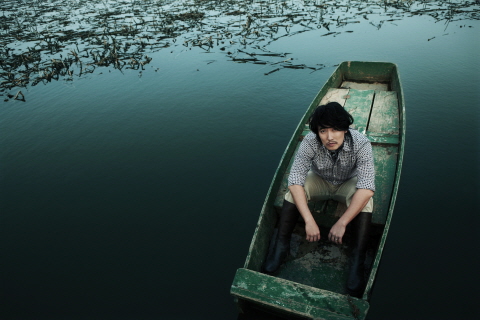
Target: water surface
136	160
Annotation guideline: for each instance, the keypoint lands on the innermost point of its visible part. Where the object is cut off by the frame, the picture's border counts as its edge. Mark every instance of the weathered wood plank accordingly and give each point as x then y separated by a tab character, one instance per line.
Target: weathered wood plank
383	138
385	166
377	86
368	72
335	95
296	298
359	104
384	118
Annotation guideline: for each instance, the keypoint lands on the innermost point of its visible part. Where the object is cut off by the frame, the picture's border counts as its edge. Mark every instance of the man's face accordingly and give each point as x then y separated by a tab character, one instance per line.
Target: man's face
331	138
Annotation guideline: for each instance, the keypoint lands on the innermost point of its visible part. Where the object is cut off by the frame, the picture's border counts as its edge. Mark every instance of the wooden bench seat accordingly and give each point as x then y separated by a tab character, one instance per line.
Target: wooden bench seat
375	111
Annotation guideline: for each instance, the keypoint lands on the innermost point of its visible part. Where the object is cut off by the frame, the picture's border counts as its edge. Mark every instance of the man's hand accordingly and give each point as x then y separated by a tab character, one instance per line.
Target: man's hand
359	201
337	232
311	227
313	232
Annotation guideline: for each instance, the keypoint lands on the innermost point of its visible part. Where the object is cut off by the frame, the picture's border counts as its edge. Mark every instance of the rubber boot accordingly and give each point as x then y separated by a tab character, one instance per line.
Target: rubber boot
361	230
288	219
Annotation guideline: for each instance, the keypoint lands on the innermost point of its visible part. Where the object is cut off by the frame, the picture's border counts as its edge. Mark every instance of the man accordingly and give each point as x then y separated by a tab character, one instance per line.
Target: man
333	162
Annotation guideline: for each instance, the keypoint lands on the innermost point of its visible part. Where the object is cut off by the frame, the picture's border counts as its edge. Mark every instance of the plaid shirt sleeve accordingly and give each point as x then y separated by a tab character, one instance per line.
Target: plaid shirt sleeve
303	160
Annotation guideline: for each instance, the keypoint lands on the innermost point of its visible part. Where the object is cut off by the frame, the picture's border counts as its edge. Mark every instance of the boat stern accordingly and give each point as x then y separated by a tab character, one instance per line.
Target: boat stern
290	298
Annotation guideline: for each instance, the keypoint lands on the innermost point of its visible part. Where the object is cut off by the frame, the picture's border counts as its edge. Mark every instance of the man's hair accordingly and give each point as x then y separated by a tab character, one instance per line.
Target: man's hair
330	115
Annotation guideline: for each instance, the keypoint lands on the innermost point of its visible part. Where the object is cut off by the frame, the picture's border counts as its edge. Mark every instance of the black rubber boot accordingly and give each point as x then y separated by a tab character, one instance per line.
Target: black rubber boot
288	219
361	230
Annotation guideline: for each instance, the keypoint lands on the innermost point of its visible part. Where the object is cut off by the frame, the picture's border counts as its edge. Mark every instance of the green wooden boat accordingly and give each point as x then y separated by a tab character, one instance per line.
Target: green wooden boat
311	282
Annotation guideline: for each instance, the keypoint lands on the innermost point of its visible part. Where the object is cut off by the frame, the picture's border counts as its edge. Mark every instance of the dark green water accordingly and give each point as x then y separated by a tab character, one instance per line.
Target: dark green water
134	194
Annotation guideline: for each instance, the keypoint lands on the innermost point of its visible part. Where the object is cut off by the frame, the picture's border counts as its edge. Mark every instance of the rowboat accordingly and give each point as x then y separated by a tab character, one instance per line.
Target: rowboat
310	284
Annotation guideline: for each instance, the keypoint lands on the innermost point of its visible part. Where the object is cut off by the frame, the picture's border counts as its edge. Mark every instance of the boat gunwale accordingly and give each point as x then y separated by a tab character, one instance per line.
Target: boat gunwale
401	147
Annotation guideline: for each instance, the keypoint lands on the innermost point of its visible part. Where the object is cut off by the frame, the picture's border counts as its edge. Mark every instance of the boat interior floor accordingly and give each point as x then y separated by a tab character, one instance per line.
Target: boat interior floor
324	264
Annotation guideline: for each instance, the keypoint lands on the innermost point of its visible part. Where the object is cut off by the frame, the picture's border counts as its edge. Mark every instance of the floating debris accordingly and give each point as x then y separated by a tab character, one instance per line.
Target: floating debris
270	72
19	96
44	41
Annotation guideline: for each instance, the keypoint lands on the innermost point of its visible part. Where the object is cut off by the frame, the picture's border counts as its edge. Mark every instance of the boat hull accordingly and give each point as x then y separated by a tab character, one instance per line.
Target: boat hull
310	284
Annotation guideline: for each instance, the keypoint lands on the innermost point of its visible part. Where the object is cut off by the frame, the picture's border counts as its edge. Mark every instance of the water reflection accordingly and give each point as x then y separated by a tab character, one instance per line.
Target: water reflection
43	41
